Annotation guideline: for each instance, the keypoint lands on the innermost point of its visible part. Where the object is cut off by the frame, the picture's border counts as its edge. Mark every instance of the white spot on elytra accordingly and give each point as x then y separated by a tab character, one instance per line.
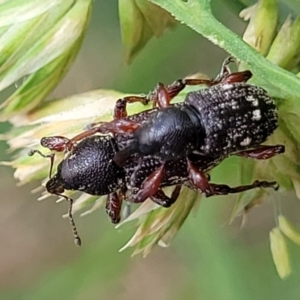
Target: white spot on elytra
256	115
226	86
246	141
252	99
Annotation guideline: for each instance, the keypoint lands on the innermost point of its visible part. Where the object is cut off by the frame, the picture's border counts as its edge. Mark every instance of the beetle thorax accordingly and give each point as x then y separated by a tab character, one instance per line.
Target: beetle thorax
170	134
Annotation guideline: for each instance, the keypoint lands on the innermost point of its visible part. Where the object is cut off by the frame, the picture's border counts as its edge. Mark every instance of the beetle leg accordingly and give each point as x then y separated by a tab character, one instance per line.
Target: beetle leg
113	207
225	75
175	193
242	76
162	95
57	143
120	110
167	93
262	152
150	185
118	126
162	199
199	180
225	70
222	189
178	85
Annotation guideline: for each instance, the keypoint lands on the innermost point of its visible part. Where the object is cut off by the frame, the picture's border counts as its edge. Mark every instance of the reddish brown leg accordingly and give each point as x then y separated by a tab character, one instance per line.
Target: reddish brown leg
115	127
199	180
59	144
225	76
222	189
113	207
150	185
120	110
162	95
242	76
177	86
262	152
162	199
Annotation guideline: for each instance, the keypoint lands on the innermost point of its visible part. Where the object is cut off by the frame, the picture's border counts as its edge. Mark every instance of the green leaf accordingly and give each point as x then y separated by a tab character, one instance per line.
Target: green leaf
289	230
12	12
157	18
50	39
284	51
280	253
262	26
140	20
158	225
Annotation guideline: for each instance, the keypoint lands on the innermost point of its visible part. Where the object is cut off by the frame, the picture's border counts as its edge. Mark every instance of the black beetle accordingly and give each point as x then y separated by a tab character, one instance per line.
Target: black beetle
229	117
173	145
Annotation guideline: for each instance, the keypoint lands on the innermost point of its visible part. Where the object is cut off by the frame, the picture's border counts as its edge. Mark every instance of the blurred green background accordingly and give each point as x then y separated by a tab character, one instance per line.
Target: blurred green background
209	259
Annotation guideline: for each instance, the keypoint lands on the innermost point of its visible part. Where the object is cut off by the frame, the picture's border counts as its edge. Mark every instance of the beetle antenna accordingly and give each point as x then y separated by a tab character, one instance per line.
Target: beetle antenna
77	239
51	156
